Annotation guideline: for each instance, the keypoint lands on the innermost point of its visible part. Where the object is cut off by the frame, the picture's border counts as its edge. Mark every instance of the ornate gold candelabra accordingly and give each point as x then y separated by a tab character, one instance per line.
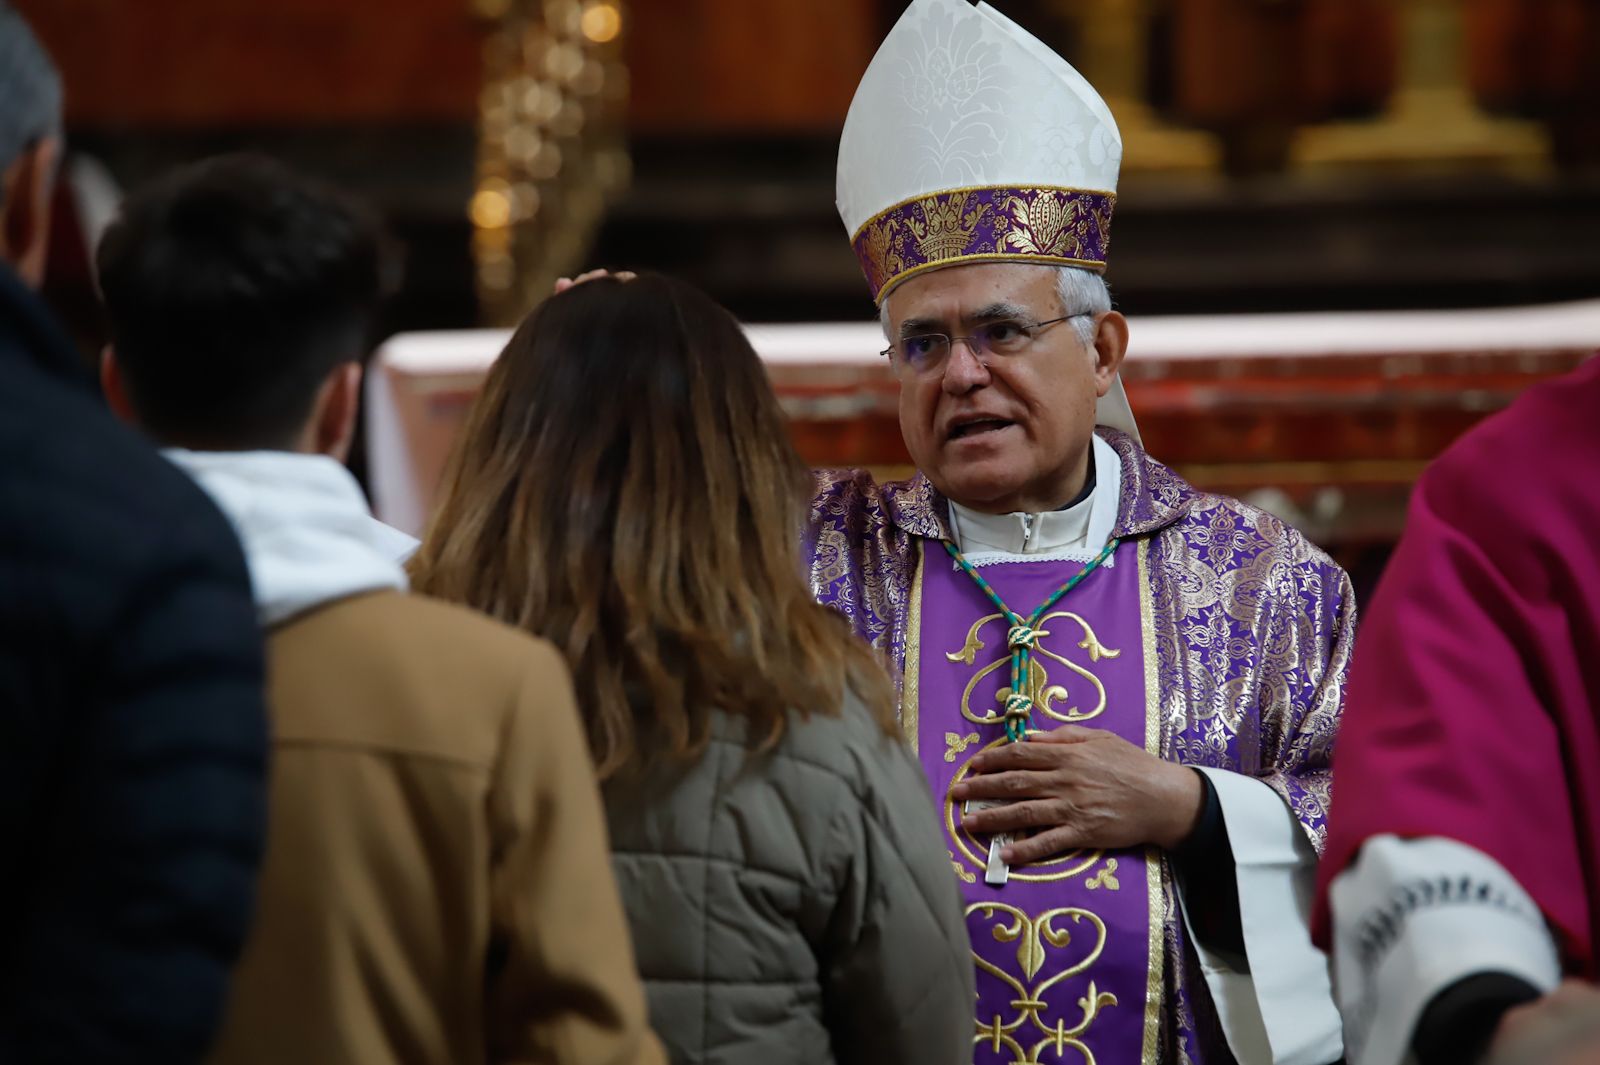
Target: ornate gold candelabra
551	146
1432	117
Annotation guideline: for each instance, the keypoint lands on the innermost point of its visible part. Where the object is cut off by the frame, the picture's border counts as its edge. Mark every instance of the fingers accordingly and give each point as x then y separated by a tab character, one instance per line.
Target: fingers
1043	749
1046	844
1019	756
564	283
1008	786
1015	817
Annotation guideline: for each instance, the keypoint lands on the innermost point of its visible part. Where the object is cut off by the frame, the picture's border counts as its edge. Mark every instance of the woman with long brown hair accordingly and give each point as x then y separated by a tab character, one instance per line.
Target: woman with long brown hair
625	487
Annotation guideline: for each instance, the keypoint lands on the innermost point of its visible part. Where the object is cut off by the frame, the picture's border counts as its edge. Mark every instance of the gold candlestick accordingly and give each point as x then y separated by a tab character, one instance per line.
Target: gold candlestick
1113	37
1432	117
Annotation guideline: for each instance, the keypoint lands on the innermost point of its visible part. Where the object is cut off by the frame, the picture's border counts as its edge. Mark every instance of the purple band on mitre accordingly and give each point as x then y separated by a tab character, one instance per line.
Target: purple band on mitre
1042	224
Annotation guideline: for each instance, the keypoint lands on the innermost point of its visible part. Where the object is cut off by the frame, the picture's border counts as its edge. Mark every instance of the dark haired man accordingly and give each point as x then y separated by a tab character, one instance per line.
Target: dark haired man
132	733
437	885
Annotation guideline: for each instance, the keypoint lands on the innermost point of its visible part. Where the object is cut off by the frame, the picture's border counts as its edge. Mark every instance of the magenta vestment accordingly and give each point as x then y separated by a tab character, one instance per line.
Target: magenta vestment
1474	706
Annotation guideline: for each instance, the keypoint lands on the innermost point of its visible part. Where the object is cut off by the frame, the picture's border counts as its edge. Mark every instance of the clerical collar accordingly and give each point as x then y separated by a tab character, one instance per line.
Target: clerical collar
1083	525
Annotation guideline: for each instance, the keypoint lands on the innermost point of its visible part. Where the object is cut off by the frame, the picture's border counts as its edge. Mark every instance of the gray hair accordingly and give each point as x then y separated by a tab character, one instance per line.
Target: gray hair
30	88
1081	292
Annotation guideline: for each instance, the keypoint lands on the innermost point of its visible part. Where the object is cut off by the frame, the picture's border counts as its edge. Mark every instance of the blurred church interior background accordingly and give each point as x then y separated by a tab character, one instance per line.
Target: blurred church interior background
1346	229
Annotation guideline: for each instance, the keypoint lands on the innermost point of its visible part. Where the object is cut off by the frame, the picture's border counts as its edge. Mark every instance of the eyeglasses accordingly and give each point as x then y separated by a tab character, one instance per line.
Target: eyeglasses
926	352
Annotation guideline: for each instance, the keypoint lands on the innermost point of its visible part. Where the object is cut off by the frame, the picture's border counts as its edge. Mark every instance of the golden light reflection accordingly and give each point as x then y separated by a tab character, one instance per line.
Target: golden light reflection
552	144
602	22
491	209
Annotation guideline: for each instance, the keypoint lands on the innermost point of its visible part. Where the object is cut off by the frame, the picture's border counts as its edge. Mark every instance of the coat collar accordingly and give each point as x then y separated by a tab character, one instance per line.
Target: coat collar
27	326
1153	496
308	536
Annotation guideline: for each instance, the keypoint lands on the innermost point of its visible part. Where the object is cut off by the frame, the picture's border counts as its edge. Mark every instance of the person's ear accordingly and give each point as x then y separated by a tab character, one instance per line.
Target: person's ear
334	421
1110	348
115	388
25	201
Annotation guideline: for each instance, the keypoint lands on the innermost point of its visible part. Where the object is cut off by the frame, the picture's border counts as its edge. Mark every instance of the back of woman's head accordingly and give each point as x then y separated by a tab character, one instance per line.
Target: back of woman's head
625	487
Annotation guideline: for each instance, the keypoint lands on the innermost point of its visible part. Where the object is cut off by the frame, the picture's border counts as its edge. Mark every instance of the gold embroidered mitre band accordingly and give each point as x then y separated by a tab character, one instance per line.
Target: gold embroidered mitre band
1035	224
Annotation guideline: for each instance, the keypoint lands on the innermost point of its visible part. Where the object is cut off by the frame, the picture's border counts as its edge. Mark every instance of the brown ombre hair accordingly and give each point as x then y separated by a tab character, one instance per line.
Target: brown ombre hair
625	488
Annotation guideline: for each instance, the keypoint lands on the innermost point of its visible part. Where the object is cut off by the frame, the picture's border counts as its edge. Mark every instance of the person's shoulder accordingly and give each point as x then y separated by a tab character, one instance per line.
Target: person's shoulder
81	473
449	636
847	745
1541	450
1236	533
836	486
402	672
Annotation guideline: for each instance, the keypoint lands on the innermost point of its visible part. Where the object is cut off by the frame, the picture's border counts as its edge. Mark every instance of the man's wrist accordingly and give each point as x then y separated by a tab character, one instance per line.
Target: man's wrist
1185	803
1458	1025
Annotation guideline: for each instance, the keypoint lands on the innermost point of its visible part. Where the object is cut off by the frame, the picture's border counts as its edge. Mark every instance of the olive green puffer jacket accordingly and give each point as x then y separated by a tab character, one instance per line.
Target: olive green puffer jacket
795	906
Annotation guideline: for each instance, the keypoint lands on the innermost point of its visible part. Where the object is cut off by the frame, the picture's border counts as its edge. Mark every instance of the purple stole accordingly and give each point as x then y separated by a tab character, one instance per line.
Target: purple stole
1069	951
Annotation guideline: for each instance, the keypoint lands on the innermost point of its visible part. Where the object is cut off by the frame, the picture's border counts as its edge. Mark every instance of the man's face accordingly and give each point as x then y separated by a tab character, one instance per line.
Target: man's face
1001	432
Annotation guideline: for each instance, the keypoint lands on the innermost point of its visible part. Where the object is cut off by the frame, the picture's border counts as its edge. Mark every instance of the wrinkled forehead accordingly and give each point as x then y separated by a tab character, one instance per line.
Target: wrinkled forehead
958	296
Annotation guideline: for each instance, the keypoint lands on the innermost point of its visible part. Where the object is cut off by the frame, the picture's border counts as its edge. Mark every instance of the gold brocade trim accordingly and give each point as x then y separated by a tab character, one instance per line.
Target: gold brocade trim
1155	867
1042	224
913	646
964	190
1097	265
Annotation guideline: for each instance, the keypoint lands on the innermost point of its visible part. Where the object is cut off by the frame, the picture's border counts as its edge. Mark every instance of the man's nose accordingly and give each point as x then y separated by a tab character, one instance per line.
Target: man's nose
963	369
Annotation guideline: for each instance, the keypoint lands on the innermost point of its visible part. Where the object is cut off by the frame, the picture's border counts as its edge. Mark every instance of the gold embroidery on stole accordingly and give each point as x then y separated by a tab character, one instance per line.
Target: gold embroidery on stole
1157	867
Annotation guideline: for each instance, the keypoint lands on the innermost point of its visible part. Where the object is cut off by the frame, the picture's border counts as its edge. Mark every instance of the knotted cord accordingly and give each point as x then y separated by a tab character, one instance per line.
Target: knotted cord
1023	635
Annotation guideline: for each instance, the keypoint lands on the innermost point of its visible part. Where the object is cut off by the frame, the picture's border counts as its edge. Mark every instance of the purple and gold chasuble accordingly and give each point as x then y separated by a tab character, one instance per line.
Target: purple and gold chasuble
1216	636
1068	956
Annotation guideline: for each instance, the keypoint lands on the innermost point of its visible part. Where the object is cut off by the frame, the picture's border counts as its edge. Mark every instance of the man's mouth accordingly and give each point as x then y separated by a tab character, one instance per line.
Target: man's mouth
977	427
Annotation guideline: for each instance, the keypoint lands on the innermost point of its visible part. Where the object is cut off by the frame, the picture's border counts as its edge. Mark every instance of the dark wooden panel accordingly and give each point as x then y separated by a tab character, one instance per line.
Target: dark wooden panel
210	63
731	65
1541	58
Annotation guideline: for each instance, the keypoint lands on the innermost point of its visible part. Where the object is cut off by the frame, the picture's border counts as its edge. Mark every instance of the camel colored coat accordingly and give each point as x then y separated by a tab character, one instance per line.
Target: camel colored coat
436	886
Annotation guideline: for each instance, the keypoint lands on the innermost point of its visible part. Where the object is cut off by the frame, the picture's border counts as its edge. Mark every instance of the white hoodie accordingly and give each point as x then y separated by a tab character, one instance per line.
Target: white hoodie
307	533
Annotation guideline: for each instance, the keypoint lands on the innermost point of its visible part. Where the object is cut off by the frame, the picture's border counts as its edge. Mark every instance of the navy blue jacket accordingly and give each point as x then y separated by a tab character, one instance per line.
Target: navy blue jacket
132	728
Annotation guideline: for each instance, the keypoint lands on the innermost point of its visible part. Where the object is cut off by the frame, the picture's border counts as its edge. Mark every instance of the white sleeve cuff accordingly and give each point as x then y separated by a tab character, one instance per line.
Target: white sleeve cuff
1410	918
1282	1010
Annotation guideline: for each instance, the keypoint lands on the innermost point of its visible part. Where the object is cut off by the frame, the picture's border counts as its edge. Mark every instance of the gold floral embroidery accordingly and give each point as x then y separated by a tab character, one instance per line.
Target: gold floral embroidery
1045	225
1035	938
1105	878
1065	226
962	873
1099	212
946	226
956	743
880	248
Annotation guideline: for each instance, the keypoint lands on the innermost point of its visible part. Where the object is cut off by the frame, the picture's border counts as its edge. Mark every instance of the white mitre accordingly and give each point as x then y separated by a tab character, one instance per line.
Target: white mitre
971	141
